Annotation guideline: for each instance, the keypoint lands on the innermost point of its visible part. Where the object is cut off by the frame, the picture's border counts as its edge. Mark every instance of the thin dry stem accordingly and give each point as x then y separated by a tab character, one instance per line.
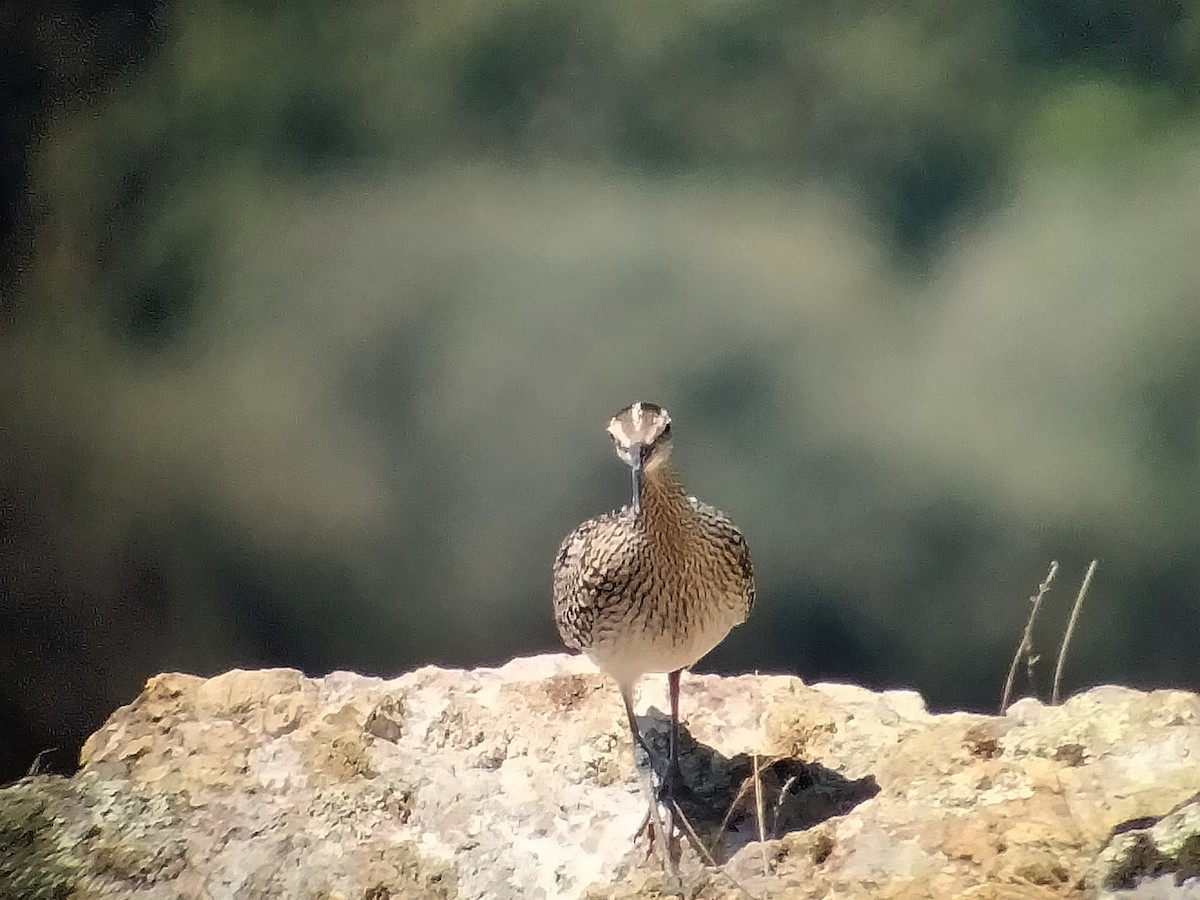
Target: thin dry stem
1062	651
758	810
698	845
1025	648
783	791
742	791
747	783
35	767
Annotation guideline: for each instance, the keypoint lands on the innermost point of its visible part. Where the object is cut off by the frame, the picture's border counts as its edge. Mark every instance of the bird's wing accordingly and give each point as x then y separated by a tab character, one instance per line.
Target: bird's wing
582	584
732	545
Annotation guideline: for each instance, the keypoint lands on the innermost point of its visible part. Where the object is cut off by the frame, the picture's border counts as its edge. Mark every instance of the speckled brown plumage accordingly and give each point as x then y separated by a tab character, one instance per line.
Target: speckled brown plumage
652	587
656	589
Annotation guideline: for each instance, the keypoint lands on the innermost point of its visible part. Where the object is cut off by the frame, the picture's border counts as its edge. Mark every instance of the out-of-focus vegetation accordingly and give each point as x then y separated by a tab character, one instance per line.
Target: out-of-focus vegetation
313	316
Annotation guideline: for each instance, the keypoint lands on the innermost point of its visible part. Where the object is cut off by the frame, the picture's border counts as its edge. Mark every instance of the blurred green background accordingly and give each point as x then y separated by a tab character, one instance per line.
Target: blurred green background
313	316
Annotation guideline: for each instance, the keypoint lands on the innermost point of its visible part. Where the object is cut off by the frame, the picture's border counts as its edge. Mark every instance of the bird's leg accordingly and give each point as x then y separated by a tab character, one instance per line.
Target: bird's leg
638	741
674	788
673	778
652	822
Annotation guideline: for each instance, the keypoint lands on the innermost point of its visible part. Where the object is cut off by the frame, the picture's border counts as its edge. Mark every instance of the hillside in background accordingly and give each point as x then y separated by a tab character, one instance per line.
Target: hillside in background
312	323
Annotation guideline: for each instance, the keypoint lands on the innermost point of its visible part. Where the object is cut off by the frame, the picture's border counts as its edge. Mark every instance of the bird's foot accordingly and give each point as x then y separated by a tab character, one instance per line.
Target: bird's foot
662	835
672	792
651	825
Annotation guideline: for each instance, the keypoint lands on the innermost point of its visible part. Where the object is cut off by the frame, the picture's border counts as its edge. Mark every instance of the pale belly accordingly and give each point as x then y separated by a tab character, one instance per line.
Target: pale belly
629	653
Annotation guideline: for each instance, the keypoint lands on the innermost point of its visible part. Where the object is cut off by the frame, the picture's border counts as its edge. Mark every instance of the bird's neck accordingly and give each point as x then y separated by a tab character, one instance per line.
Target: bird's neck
666	510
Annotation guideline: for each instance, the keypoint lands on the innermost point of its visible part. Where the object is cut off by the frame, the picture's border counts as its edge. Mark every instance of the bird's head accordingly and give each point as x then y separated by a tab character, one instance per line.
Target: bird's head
641	434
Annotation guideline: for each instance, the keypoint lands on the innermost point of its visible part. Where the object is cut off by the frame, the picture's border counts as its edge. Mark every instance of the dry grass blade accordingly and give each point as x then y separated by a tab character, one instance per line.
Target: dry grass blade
759	815
1062	651
698	846
742	792
1025	648
783	792
35	767
747	783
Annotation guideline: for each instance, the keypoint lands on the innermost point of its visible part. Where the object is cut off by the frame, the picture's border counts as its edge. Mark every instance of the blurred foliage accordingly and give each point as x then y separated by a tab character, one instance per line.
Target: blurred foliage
313	316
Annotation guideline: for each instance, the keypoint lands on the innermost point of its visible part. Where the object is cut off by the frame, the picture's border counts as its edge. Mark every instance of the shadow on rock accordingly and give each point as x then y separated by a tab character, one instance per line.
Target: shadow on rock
721	801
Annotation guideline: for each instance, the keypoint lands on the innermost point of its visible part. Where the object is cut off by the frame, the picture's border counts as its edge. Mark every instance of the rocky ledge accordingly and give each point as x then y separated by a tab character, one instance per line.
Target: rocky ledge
518	782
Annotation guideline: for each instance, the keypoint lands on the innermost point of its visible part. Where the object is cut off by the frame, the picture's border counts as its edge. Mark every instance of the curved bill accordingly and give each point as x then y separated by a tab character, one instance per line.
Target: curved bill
637	460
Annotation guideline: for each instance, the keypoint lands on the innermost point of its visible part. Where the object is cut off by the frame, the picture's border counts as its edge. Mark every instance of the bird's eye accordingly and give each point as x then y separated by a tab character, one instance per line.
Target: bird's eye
666	433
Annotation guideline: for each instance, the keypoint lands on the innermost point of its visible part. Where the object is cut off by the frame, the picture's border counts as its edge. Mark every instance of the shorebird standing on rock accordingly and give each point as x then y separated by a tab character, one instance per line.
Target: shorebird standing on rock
654	586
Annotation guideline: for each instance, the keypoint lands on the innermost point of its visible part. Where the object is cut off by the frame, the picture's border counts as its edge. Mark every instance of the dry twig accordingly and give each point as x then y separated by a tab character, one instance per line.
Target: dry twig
35	767
698	846
783	792
1062	651
1025	648
758	810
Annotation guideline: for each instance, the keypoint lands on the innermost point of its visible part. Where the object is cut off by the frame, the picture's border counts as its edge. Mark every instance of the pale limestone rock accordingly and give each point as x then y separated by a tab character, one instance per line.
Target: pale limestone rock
1153	858
518	782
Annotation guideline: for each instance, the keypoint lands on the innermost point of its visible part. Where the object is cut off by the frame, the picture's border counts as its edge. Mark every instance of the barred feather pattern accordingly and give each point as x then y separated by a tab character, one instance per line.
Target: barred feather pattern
655	591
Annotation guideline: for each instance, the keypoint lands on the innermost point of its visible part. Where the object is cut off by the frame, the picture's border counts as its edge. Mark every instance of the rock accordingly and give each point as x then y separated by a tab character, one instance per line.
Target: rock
1152	857
518	782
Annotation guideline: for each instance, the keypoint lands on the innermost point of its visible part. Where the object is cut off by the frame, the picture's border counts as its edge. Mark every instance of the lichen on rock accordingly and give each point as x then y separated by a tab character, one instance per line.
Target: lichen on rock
518	782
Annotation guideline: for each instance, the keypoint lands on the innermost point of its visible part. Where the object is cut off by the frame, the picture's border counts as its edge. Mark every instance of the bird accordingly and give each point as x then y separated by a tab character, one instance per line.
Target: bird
654	586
